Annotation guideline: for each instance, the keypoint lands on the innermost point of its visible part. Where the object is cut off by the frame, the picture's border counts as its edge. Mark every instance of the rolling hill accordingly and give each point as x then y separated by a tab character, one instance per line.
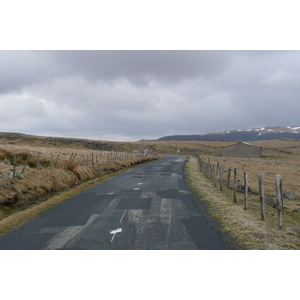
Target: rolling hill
251	134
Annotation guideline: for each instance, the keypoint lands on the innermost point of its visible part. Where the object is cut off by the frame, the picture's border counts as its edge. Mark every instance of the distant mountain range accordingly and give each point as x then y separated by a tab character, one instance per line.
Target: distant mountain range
251	134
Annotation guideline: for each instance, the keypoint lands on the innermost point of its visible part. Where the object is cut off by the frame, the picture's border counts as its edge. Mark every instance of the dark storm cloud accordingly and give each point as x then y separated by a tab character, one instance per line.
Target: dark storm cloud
143	66
129	95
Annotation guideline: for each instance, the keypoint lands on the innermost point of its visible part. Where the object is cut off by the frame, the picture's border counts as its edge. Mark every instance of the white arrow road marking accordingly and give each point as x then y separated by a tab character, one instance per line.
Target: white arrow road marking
114	232
60	239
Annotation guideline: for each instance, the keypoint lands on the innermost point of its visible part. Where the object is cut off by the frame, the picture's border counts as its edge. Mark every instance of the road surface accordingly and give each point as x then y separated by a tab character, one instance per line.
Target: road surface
147	207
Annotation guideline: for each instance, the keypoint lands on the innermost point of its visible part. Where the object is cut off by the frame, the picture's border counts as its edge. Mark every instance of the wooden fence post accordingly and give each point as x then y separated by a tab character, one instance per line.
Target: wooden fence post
216	174
73	155
38	161
261	196
14	169
51	161
279	199
213	174
234	185
228	177
246	190
57	159
208	168
221	178
280	186
26	162
92	155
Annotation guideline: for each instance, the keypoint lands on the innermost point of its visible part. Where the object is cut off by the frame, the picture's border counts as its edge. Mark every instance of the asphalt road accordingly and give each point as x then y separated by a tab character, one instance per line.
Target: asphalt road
147	207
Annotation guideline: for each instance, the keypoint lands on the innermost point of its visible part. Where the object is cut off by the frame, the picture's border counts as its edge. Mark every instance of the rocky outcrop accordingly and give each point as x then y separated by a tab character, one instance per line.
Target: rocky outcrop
271	202
11	175
241	189
5	184
287	194
6	161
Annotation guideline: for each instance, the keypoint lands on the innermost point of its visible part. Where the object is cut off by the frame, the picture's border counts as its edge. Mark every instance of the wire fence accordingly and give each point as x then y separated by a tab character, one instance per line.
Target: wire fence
226	178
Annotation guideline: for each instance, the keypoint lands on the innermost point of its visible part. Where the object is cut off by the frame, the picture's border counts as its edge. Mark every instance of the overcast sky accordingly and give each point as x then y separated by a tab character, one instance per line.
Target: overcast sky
132	95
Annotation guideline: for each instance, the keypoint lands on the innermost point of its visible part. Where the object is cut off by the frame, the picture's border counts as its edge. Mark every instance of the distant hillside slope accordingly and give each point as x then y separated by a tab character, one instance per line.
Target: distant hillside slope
17	138
255	134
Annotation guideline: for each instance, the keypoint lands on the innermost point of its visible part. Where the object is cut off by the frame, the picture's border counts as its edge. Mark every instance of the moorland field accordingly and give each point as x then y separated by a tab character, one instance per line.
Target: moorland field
278	157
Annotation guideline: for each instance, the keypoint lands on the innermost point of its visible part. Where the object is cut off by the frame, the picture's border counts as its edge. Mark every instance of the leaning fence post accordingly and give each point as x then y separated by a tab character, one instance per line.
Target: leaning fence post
279	199
25	163
261	195
246	190
234	185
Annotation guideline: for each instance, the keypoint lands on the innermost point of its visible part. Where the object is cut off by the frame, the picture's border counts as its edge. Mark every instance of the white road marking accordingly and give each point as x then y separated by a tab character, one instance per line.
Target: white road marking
123	215
59	240
114	232
181	159
136	189
140	183
104	194
183	191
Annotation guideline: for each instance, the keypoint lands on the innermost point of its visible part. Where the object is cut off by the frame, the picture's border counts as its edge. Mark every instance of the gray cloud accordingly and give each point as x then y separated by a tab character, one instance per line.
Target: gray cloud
129	95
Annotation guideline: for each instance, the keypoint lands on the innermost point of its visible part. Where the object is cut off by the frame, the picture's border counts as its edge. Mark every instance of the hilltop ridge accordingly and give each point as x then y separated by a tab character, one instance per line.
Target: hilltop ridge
250	134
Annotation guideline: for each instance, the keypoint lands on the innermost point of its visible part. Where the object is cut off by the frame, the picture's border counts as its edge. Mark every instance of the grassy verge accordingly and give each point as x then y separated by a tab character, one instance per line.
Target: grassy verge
18	218
244	225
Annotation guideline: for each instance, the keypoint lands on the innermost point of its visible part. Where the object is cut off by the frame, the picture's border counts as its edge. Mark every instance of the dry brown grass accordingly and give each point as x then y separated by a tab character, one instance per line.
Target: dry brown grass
287	167
245	225
40	182
20	217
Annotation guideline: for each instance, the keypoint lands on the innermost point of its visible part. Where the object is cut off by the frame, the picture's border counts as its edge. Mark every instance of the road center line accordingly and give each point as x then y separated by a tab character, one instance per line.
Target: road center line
123	215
